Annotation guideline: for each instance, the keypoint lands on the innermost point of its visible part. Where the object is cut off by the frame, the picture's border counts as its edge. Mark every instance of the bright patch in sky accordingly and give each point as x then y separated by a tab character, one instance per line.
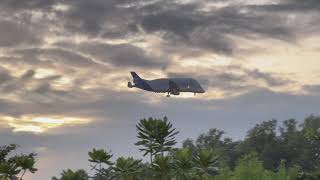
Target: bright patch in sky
42	124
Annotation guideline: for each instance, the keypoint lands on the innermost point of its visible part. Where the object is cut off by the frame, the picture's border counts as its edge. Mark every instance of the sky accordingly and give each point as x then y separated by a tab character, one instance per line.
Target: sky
64	68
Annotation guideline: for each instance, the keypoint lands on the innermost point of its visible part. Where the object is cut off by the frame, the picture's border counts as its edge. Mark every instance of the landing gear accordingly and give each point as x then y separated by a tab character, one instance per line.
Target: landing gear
194	94
168	95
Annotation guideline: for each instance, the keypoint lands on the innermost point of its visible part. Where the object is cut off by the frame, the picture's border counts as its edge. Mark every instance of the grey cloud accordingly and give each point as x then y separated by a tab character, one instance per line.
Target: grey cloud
270	79
11	84
4	76
290	6
184	25
124	55
59	55
181	25
312	89
13	5
120	55
46	89
27	75
13	34
97	17
229	79
177	21
211	30
39	92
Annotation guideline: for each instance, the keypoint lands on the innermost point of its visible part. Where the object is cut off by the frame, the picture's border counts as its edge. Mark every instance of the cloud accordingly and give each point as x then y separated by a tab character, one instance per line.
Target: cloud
27	4
234	79
213	30
97	17
270	79
312	89
292	6
13	34
58	55
72	59
4	76
123	55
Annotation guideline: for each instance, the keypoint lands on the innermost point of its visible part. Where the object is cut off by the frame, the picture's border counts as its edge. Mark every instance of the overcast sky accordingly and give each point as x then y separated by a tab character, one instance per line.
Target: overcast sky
64	68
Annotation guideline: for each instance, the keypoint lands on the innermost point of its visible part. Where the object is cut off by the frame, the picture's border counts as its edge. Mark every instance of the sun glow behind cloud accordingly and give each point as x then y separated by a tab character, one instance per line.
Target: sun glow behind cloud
42	124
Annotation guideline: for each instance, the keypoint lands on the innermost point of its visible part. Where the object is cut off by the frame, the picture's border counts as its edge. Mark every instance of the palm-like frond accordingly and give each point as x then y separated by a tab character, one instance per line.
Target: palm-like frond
26	162
126	168
156	136
182	165
72	175
100	156
161	167
206	163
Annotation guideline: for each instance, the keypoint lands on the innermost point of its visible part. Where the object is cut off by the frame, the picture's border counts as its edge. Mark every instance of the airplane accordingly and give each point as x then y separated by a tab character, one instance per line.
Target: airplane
171	86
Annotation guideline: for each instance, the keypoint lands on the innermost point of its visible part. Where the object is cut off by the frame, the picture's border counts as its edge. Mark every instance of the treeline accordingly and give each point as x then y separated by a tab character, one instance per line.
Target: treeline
290	151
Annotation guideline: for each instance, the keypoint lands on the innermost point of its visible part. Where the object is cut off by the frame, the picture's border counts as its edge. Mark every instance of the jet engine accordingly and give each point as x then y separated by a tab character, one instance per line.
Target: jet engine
130	85
175	93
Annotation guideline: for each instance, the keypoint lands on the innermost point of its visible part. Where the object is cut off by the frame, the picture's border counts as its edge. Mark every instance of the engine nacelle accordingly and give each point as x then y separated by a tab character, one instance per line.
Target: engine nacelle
175	93
130	85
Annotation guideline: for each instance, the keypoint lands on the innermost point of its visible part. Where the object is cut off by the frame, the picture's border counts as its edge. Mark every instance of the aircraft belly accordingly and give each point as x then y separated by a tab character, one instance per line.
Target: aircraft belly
186	89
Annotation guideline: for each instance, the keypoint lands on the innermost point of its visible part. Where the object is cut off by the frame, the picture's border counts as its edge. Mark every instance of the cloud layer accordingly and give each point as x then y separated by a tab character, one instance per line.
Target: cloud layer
67	63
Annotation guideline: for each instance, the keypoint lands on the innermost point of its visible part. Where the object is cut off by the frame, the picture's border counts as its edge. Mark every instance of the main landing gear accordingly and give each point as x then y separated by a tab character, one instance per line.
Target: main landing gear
168	95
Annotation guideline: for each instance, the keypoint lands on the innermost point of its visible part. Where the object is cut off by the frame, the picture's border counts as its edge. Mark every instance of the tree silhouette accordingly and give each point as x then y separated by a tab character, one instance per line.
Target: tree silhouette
206	163
100	157
161	167
182	166
12	166
126	168
26	163
72	175
156	136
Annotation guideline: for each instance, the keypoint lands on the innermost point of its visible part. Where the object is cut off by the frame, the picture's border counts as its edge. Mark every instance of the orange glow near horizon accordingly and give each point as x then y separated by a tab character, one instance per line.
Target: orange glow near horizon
42	124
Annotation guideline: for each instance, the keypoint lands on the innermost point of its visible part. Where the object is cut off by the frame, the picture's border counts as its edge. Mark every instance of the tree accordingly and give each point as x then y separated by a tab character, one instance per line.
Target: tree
311	132
206	163
189	144
126	168
26	163
100	157
161	167
211	139
182	166
9	170
263	140
224	147
155	136
13	166
249	168
292	142
72	175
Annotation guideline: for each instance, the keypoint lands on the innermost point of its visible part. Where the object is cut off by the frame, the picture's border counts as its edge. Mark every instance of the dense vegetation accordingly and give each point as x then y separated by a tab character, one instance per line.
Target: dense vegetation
268	152
15	166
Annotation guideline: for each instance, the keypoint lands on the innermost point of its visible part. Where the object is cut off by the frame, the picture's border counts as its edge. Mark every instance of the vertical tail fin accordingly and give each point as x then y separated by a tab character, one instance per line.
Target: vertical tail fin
135	76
